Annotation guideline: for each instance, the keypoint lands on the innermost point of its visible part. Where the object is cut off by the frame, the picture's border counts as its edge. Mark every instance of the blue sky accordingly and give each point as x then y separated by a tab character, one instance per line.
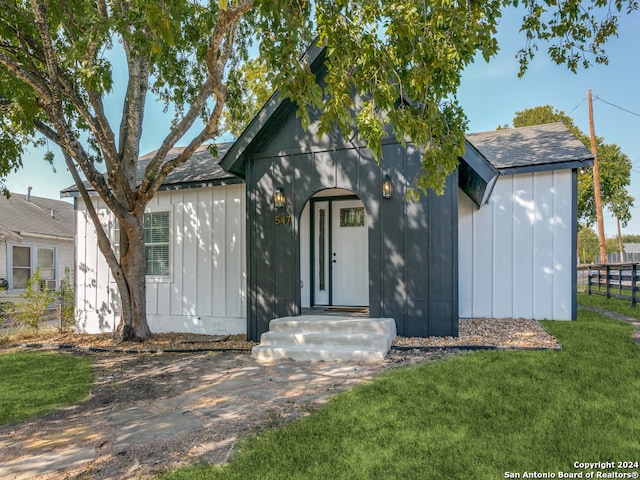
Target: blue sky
490	94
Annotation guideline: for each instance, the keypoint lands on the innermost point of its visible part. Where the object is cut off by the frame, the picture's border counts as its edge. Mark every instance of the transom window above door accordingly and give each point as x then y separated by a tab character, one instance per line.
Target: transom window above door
352	217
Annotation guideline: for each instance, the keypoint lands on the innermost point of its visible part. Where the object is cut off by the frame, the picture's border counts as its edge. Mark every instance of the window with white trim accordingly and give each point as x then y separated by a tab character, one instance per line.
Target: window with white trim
26	259
157	238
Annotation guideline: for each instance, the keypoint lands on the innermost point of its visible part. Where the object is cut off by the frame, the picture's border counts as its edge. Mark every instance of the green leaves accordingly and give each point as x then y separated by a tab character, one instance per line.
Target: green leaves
574	31
392	67
402	62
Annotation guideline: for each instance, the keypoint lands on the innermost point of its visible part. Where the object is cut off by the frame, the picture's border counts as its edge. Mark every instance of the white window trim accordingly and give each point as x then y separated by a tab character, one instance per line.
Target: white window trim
33	253
164	278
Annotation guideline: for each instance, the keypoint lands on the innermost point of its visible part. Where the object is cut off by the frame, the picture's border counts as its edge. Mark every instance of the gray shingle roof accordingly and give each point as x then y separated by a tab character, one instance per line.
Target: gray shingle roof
631	247
33	216
541	147
201	169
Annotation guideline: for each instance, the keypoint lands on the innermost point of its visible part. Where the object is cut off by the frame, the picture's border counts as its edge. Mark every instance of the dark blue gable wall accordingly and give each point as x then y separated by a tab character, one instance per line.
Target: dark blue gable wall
413	246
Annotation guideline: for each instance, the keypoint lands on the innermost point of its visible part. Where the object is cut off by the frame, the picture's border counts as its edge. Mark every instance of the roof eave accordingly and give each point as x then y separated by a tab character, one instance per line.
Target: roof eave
47	236
477	176
6	233
547	167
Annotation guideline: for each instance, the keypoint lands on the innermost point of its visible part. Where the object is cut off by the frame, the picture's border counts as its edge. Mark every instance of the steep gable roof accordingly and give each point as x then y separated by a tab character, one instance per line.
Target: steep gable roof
22	215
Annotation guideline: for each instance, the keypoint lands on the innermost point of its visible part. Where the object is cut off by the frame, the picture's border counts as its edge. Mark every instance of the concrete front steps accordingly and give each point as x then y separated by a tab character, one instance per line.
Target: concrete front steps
326	338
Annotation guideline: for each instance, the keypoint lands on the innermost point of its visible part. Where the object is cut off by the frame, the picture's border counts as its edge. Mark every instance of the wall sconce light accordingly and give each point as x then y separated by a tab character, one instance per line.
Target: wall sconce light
278	197
387	187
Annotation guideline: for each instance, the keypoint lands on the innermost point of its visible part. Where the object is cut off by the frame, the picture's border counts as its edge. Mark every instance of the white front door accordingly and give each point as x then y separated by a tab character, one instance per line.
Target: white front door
349	254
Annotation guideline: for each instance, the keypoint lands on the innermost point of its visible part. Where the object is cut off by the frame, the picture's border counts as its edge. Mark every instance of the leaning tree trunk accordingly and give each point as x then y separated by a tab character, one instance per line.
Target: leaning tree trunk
134	269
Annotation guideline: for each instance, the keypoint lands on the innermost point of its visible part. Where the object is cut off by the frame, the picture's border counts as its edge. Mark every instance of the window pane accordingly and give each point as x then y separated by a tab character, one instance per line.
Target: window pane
158	260
156	227
22	256
47	273
20	277
45	258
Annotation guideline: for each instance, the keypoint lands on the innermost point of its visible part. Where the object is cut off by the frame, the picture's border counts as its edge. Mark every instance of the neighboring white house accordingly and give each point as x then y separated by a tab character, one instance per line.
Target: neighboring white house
516	240
35	232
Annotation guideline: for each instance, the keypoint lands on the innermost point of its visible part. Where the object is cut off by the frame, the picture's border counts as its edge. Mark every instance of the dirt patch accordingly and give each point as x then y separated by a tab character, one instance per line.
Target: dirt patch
146	382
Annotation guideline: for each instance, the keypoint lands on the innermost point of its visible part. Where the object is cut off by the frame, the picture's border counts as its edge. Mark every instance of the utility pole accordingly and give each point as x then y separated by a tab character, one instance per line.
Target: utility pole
596	183
620	244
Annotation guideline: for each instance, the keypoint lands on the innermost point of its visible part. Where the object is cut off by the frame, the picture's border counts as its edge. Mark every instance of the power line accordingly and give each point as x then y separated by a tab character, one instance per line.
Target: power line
617	106
574	108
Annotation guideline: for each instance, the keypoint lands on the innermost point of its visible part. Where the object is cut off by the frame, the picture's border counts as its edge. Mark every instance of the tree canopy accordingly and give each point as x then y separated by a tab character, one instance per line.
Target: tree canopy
403	59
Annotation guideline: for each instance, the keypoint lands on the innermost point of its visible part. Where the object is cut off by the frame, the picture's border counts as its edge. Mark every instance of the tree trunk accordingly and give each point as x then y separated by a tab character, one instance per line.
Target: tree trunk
134	268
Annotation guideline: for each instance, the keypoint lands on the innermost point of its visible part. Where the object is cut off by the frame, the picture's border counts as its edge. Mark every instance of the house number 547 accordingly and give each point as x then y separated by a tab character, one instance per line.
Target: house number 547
282	219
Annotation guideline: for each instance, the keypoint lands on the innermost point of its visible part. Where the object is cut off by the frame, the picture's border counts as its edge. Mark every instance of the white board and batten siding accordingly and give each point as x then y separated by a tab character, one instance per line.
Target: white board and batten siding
206	289
515	254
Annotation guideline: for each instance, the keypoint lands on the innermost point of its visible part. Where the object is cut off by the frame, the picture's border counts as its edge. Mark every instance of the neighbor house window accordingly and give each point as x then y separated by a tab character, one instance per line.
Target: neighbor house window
157	230
27	259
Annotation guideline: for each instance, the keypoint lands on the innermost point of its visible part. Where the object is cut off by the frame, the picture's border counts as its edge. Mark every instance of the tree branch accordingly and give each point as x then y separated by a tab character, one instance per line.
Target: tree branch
104	244
217	56
95	178
27	77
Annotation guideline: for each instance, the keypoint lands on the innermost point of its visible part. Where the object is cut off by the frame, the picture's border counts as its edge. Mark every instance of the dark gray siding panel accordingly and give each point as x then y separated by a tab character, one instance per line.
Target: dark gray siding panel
443	254
261	301
419	230
347	170
392	226
325	170
272	247
412	246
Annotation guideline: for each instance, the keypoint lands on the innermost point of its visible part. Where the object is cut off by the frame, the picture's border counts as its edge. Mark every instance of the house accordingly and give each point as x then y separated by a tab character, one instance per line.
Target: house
285	219
35	232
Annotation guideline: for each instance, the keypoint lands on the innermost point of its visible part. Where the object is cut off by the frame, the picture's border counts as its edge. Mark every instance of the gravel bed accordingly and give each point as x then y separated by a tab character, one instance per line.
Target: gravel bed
486	332
497	333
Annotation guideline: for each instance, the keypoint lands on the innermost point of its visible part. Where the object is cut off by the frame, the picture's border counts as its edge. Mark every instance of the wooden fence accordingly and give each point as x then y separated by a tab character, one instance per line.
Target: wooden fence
617	281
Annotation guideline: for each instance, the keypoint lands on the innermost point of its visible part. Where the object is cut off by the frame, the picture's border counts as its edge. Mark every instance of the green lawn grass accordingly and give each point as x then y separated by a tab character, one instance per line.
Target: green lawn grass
614	304
32	383
474	416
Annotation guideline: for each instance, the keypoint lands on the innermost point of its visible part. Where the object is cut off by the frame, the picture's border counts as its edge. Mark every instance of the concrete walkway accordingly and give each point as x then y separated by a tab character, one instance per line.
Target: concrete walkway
235	397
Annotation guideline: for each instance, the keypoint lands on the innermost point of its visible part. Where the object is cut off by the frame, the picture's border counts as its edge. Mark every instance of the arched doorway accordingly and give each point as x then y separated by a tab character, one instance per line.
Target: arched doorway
334	250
